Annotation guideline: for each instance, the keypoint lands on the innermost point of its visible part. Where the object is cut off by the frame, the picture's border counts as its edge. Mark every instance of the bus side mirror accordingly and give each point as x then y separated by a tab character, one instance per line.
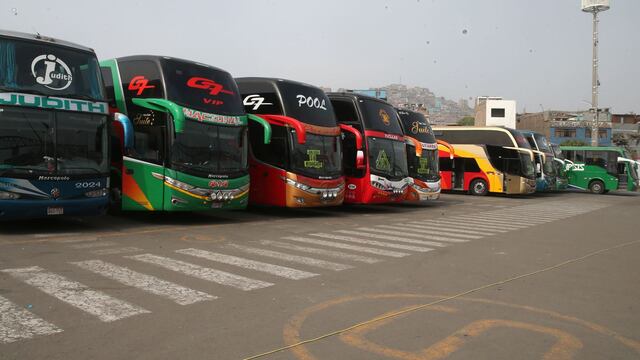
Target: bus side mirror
360	163
127	127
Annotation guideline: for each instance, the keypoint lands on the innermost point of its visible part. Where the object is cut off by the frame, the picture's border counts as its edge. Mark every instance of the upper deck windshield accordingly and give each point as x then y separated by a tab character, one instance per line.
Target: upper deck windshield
543	145
201	88
482	136
48	69
307	104
380	116
387	158
416	126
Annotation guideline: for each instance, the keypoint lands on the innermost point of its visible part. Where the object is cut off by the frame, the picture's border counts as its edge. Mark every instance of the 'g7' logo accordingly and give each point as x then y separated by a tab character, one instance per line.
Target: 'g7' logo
255	100
56	75
207	84
139	83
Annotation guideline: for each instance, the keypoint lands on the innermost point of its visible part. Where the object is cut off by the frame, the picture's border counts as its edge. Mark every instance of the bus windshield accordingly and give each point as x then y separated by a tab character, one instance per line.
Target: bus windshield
416	126
511	161
548	166
319	157
307	104
387	158
51	70
201	88
542	143
425	167
204	149
40	142
380	116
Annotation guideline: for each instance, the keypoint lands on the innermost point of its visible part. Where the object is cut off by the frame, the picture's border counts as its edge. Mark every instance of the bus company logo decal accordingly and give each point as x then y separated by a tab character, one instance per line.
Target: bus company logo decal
576	167
255	100
139	84
219	183
49	102
213	118
55	193
313	162
312	102
393	137
419	128
22	187
51	72
208	84
386	119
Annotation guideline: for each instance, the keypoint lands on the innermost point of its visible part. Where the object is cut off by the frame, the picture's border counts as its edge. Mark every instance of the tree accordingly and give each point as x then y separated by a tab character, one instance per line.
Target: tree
620	140
573	143
467	121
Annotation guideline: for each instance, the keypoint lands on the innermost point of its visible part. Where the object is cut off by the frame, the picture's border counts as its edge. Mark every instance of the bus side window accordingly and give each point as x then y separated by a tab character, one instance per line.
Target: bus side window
471	165
446	164
569	155
579	156
346	113
274	153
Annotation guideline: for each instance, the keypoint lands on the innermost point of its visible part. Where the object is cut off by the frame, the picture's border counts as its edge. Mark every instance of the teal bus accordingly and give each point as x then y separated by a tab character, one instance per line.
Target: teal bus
546	174
600	169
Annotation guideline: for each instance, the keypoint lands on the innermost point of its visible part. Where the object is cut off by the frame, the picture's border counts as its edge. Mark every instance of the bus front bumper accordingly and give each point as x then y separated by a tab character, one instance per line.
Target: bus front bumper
29	209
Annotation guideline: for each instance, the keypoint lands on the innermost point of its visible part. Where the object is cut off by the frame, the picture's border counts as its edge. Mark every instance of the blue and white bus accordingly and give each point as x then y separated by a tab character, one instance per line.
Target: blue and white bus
54	129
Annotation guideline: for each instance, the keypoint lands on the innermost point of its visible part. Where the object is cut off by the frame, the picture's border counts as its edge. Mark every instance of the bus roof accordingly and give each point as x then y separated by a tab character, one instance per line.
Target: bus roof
513	134
43	39
276	82
594	148
159	58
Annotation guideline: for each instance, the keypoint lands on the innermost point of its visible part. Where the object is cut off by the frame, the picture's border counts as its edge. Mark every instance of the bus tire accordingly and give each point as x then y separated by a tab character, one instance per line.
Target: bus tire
478	187
597	187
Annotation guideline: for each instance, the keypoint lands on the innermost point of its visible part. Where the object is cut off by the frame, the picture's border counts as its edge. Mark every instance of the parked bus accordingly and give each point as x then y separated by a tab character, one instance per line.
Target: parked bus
562	181
54	133
302	166
374	152
422	156
546	175
186	146
600	169
493	159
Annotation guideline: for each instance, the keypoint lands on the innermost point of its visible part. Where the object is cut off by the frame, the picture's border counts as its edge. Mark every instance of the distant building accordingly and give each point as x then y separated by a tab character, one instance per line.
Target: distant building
562	126
495	111
626	127
376	93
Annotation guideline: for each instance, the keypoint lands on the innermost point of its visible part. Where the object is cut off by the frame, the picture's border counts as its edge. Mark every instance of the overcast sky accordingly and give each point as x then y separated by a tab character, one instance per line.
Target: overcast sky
535	52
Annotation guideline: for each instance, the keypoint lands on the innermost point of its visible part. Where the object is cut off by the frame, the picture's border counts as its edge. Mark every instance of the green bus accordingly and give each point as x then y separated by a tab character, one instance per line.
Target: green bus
185	147
600	169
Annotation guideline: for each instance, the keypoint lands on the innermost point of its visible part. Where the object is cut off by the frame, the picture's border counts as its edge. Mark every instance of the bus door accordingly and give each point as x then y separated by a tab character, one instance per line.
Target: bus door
143	173
627	174
457	173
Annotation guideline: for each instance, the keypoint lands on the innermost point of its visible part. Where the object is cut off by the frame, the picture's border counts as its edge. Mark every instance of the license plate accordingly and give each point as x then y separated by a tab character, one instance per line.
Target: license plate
216	205
55	211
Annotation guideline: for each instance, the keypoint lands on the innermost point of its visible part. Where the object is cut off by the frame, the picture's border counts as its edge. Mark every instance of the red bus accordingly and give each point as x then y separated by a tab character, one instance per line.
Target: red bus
374	152
302	165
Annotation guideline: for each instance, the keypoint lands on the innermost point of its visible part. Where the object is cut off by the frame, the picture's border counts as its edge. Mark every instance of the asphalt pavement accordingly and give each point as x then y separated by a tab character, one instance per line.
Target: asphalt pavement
551	276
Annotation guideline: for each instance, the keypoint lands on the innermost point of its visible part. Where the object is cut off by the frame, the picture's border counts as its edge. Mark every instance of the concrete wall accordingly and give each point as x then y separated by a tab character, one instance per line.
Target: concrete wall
485	108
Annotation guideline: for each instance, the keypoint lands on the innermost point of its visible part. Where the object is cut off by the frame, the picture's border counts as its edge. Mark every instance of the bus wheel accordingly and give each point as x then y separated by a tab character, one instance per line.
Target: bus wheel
597	187
478	187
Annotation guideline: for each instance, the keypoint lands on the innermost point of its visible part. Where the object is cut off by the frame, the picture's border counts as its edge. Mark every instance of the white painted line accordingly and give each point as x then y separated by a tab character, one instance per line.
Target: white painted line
282	271
518	217
489	228
317	251
92	245
101	305
488	224
42	236
115	251
447	228
201	272
367	232
497	220
404	230
292	258
364	249
178	294
372	242
17	323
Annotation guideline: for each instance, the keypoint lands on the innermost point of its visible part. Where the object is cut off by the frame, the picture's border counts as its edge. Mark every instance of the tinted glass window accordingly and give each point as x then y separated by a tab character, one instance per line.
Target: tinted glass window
49	69
380	116
202	88
346	113
307	104
275	153
26	141
604	159
416	126
543	145
497	112
483	137
107	76
520	140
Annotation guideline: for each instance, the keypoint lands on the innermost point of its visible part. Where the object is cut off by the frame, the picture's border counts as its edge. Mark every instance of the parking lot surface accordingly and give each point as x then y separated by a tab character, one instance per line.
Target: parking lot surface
551	276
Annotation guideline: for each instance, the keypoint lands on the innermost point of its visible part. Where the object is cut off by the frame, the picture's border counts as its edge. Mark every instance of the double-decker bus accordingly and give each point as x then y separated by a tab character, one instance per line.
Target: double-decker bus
302	166
546	174
486	159
54	129
373	147
422	156
600	169
186	147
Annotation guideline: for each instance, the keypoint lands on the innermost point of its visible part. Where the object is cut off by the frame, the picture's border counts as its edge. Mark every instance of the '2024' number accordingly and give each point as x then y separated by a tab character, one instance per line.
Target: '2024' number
88	184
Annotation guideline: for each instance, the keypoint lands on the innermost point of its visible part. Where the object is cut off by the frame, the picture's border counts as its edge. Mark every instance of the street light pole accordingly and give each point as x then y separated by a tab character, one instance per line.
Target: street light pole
595	132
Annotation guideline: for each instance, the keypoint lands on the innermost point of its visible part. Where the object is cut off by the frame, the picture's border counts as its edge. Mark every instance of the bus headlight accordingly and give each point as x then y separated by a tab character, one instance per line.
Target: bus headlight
4	195
96	193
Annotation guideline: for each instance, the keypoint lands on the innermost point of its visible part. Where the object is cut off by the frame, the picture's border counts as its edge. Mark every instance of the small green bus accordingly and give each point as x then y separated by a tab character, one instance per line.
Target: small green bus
600	169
